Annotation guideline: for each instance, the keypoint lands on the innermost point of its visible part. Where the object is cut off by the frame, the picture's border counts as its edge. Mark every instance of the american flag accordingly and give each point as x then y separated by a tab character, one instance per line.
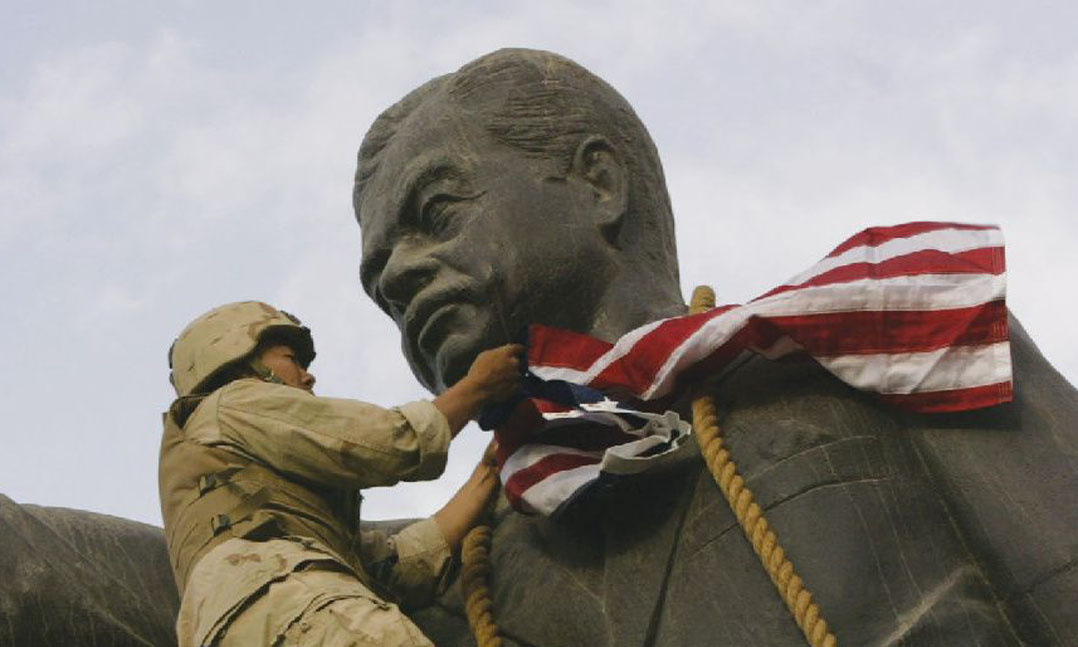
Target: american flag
914	313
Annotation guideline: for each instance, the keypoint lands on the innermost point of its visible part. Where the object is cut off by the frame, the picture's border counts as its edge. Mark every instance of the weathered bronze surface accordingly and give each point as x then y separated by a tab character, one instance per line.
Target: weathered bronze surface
524	189
71	577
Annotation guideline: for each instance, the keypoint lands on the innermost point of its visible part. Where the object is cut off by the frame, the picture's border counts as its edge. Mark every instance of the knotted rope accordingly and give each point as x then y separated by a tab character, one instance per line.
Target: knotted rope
790	587
475	569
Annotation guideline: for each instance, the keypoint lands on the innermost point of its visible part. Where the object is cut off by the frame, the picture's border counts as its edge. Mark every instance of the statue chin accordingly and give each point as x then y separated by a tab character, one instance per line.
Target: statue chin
449	344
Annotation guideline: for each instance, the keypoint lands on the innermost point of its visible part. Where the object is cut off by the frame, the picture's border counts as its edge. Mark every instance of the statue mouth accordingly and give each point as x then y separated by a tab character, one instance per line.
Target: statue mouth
438	327
428	321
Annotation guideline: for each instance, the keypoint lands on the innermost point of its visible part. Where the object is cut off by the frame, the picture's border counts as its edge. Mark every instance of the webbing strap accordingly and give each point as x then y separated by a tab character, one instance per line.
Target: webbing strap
237	502
242	512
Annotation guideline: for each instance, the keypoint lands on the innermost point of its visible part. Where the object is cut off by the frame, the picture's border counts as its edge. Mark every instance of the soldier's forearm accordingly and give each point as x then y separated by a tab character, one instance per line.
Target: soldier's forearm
467	506
460	403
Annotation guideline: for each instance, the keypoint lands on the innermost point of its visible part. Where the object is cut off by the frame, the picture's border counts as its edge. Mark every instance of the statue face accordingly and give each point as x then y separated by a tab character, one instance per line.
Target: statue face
466	241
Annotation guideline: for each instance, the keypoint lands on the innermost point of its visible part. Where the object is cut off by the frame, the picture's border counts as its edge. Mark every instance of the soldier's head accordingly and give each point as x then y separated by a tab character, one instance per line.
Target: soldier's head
236	340
519	189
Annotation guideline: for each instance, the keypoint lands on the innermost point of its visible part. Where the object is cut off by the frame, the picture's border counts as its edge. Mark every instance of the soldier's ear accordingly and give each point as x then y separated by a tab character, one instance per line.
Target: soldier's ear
602	172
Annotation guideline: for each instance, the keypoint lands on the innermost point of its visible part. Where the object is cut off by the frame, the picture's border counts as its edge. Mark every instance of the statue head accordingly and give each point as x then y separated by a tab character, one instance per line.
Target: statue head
520	189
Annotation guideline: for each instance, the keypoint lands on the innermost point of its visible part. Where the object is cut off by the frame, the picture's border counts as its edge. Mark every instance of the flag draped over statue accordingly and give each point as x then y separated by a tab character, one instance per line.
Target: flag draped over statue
914	313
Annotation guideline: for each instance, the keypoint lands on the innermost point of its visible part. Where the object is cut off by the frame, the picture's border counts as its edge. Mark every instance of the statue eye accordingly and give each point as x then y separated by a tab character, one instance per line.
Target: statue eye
437	213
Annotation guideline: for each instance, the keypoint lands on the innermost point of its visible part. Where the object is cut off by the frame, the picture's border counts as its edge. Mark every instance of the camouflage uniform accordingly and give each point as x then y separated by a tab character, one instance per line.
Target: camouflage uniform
259	487
270	578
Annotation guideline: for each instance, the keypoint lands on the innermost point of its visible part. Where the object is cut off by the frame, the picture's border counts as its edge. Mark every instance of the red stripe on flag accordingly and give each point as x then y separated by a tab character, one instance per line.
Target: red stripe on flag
825	334
547	406
562	348
636	370
518	429
953	400
896	331
523	479
633	373
748	336
984	260
876	236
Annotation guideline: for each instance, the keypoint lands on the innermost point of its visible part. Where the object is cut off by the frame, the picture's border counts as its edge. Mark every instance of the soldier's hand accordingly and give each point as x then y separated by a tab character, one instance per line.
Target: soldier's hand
468	505
496	373
494	376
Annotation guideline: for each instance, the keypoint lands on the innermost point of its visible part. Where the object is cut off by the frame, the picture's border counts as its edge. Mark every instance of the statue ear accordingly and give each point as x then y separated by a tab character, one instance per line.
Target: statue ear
599	167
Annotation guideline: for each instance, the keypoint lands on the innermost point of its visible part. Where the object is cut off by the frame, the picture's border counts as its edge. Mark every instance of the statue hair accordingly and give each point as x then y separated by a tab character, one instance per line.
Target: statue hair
543	105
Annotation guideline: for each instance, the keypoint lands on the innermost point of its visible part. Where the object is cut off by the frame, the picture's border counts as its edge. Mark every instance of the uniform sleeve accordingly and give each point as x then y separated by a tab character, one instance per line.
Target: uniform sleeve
332	441
415	563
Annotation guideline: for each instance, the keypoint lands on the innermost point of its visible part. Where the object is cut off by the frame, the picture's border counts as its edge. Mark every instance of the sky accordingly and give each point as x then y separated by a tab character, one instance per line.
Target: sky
159	159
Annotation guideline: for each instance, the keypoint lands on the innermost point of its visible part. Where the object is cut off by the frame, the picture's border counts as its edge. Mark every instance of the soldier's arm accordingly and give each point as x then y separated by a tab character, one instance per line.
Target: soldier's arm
333	441
416	562
352	444
464	510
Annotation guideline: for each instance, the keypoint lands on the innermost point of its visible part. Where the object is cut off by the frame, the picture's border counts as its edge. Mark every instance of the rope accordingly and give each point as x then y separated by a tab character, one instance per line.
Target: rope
790	587
475	553
475	570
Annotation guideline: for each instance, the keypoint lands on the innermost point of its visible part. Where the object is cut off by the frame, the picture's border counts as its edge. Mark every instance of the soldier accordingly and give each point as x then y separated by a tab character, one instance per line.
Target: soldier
260	479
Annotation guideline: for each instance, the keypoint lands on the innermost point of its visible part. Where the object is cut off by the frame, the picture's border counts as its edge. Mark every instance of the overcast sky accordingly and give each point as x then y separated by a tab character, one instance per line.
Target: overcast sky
157	160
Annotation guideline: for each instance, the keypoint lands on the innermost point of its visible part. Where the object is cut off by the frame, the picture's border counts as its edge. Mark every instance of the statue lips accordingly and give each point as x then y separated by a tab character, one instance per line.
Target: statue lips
425	319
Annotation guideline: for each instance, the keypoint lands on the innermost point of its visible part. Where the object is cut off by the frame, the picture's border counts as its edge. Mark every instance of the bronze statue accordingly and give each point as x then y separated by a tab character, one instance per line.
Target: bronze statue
524	189
72	577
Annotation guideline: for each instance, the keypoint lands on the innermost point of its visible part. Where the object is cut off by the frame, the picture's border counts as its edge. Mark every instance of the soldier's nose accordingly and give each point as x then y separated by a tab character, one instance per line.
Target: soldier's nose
406	273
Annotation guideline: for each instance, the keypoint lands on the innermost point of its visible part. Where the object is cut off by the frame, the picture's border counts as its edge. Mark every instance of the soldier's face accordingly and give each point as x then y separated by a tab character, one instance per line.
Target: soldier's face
282	360
466	241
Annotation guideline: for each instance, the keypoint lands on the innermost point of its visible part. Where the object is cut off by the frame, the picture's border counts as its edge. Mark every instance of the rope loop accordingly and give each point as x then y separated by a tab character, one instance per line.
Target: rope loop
750	516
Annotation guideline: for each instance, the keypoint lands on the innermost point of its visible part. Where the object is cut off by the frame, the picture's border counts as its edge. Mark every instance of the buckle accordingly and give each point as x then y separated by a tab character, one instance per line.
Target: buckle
207	482
220	522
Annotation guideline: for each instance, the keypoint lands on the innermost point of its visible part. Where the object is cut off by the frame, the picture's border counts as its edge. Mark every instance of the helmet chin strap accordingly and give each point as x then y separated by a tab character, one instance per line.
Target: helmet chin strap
263	372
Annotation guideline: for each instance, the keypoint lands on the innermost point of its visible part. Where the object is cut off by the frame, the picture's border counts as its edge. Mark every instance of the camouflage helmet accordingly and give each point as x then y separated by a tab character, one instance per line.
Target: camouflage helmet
227	335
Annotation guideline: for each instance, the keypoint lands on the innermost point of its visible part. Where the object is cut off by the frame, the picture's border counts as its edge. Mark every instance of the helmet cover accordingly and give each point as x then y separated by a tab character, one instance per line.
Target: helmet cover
226	335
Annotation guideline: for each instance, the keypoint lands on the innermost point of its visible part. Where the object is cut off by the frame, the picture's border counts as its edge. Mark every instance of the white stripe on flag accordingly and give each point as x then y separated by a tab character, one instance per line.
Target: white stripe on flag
957	367
951	241
923	292
577	376
532	453
546	495
919	292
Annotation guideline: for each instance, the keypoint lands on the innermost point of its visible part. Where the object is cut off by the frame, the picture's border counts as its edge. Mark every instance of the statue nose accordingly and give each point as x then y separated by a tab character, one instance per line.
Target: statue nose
406	273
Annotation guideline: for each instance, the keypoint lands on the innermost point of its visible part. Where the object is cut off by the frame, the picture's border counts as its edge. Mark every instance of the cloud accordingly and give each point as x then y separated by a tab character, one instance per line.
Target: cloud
163	163
78	104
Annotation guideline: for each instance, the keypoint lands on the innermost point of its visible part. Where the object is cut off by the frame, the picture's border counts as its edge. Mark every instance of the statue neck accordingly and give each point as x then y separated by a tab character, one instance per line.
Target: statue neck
632	302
